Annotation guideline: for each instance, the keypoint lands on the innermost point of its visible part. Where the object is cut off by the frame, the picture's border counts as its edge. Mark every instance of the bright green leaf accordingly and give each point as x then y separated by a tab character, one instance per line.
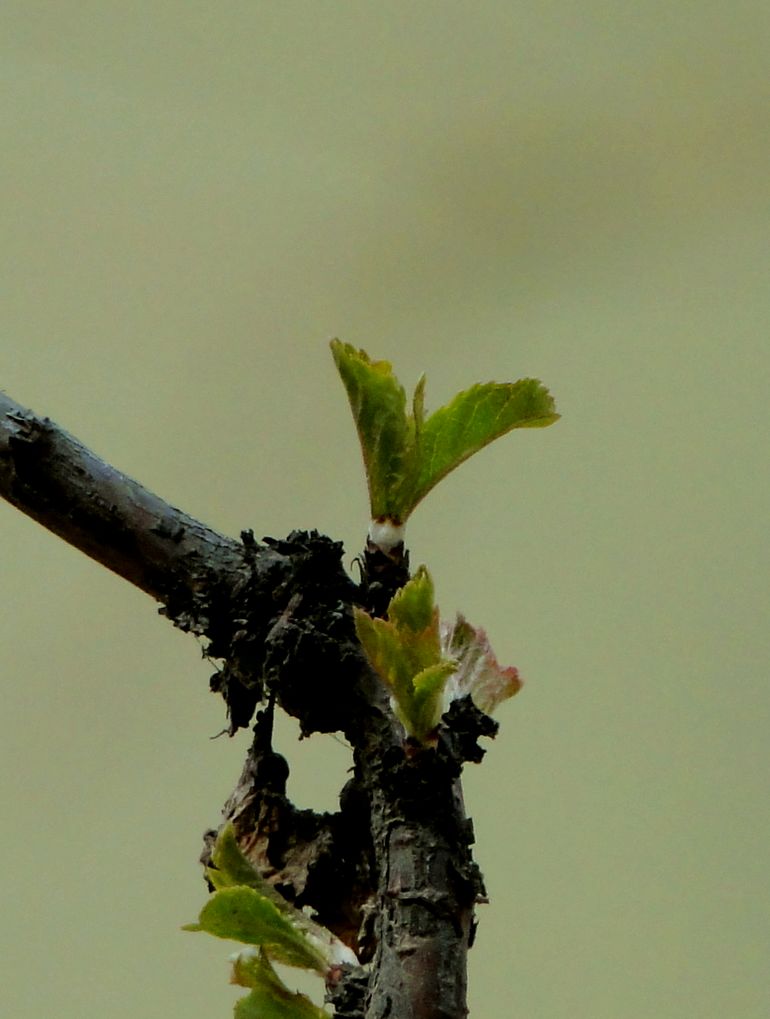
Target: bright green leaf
406	454
470	421
405	651
270	998
427	707
397	653
381	643
408	641
411	607
378	402
243	914
231	869
260	1004
418	405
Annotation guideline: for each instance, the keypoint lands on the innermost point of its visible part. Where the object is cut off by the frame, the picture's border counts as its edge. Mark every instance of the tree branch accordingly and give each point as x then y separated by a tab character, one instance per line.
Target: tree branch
53	478
391	872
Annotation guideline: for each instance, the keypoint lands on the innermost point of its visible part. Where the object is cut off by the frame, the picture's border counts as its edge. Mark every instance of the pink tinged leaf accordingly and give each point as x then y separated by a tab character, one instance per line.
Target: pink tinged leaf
478	672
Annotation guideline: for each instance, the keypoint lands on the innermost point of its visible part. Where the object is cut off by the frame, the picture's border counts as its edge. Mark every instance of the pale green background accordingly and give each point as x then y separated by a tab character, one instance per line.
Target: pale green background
195	198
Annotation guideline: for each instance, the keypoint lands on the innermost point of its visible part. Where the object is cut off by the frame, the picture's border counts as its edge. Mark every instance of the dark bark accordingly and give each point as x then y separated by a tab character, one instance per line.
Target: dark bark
54	479
391	872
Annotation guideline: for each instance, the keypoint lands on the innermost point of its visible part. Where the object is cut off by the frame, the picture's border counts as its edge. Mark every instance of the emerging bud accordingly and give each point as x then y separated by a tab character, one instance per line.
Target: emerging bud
386	534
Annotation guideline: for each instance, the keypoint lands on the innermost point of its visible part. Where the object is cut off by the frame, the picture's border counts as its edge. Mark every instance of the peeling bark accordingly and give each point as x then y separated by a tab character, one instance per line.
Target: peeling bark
391	872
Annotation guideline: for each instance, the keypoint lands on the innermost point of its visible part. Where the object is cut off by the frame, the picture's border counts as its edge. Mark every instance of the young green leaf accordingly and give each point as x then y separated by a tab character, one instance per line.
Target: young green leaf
243	914
405	651
412	606
472	420
427	664
378	402
230	869
265	1004
270	998
426	707
406	453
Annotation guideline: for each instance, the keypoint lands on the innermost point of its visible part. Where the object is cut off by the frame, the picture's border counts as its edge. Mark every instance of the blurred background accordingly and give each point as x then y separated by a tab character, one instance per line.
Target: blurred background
196	197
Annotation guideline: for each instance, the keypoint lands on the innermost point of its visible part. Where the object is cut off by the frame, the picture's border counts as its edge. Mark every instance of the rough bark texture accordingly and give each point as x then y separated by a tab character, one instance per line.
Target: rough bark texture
391	872
54	479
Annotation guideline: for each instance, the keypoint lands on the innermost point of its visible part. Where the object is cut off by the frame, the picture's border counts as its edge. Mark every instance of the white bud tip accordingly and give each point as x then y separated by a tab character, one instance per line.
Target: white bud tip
386	534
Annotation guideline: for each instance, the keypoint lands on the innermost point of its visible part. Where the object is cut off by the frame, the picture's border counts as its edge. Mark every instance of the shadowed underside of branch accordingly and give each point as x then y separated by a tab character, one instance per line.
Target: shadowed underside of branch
391	872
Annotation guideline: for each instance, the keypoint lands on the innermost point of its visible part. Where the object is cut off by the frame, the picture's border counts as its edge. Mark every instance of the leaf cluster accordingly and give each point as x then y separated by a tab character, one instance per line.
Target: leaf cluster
405	650
245	908
406	453
427	663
